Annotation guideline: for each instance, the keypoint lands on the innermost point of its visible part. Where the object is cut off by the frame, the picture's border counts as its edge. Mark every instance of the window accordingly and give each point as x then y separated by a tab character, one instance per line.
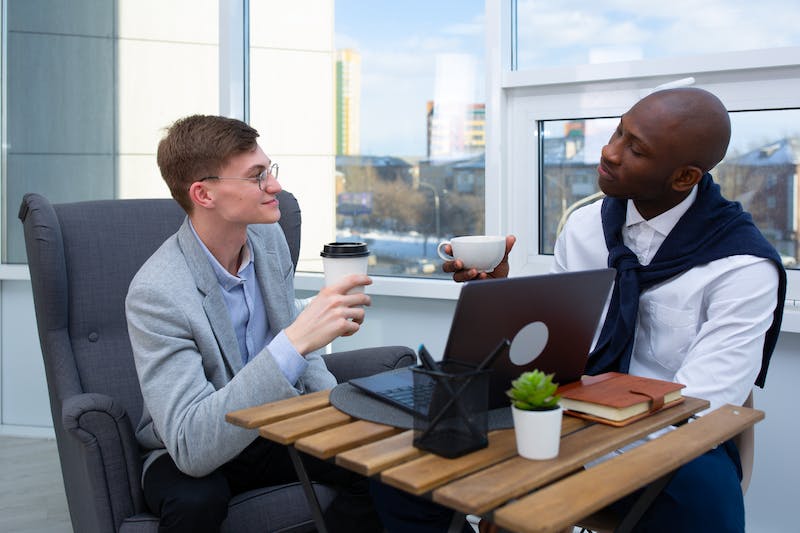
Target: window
570	154
557	112
89	88
379	127
759	171
376	114
410	128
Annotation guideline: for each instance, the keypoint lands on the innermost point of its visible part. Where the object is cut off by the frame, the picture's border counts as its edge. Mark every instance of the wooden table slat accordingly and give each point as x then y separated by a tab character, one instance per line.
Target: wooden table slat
260	415
565	502
485	490
375	457
430	471
326	444
289	430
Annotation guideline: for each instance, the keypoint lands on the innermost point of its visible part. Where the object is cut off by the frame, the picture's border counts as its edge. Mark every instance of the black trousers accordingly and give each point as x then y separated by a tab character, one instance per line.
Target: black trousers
190	504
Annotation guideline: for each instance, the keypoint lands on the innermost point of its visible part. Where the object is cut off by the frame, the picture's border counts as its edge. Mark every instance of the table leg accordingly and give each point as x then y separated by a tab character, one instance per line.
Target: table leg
311	496
643	503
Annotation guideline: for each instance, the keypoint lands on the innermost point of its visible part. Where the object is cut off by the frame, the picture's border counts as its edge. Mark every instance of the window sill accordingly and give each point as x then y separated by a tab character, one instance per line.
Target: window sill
14	272
442	289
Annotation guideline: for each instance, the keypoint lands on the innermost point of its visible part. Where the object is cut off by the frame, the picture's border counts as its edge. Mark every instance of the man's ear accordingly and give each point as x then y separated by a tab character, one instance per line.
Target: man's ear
686	178
200	195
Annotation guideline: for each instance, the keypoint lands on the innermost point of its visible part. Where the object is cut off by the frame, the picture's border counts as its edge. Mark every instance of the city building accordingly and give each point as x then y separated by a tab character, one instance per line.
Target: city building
455	130
765	181
348	101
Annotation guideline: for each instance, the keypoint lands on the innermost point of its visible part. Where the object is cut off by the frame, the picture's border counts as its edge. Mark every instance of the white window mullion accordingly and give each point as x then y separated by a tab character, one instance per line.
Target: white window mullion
234	84
498	60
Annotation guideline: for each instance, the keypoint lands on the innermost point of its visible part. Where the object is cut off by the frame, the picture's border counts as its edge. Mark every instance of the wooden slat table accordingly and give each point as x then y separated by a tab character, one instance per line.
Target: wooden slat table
520	495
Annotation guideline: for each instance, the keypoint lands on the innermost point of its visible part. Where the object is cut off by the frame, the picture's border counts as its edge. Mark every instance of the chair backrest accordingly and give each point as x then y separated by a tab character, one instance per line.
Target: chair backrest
82	257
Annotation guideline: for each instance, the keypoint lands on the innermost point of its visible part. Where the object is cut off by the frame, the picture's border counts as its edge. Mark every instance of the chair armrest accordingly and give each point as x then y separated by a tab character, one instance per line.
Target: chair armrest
108	452
367	361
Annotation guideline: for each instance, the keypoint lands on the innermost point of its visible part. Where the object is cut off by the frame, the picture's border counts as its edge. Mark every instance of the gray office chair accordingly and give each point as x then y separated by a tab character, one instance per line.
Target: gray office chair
82	257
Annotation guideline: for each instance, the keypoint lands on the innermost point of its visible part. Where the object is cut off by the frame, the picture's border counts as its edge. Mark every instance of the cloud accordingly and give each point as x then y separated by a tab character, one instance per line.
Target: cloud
474	28
570	32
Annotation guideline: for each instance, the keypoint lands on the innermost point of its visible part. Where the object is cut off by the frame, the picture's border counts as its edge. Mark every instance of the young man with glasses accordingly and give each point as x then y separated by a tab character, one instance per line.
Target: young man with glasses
215	327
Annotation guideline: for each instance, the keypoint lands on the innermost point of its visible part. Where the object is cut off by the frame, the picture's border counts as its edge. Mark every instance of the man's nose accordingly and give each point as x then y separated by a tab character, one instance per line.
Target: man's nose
611	152
273	186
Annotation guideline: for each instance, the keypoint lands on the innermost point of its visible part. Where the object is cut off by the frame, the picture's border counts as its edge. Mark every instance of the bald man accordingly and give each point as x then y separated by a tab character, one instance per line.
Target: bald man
698	293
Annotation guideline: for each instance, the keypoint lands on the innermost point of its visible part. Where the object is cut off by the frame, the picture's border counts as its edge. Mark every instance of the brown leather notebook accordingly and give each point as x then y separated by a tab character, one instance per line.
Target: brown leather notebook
618	399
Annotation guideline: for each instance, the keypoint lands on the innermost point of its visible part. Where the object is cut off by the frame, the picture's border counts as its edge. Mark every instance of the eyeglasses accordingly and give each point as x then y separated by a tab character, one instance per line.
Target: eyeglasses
260	180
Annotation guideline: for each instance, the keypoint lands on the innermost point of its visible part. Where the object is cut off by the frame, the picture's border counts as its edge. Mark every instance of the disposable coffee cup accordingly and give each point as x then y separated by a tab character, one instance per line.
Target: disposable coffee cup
340	259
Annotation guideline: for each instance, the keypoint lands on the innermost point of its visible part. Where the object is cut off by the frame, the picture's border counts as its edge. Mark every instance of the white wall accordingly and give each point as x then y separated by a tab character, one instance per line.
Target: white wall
24	404
770	500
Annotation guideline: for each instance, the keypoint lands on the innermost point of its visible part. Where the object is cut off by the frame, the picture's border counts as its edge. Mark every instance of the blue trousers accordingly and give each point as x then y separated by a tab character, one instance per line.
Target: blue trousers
704	495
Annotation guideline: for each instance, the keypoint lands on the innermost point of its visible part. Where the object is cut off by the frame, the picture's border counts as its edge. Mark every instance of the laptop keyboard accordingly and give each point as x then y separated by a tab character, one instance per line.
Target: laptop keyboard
408	395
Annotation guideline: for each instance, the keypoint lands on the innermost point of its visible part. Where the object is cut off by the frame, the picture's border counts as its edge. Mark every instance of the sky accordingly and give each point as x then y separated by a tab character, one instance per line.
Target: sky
577	31
399	43
403	45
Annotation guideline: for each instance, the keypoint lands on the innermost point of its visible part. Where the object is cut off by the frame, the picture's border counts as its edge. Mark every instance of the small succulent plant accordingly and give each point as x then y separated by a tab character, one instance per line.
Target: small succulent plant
534	391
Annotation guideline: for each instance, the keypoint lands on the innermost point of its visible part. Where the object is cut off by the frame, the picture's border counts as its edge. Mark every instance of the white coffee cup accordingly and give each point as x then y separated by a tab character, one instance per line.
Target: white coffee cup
340	259
481	252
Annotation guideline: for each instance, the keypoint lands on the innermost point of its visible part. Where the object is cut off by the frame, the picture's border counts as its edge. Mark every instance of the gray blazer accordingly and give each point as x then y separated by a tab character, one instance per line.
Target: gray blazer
187	358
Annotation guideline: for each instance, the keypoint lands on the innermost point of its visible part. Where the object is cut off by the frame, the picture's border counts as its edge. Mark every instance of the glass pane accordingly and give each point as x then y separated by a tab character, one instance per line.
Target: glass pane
90	86
410	120
570	153
760	171
574	32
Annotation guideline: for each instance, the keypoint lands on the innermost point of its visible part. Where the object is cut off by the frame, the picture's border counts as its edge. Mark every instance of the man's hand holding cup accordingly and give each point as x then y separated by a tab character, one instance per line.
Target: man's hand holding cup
476	256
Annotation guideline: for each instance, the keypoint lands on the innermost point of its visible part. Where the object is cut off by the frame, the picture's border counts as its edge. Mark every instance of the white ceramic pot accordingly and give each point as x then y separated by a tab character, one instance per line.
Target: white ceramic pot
538	432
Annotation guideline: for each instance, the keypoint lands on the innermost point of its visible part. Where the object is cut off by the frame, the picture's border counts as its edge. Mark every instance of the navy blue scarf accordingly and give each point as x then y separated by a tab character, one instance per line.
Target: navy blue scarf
711	229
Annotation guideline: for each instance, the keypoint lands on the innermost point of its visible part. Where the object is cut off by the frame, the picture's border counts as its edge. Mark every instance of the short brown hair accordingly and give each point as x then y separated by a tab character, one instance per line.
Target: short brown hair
198	146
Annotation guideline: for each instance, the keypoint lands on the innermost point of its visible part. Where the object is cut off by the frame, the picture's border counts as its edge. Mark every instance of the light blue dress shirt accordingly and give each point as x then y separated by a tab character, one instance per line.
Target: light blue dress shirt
248	313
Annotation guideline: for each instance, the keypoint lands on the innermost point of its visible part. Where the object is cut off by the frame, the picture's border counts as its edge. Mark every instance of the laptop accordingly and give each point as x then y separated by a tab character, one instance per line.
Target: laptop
550	321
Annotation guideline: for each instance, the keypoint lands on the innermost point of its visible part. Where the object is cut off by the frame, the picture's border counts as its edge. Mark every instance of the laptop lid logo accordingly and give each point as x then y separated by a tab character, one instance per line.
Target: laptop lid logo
529	343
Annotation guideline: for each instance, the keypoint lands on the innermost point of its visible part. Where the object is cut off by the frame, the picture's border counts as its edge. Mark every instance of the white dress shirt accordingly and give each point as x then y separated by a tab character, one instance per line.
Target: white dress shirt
704	328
